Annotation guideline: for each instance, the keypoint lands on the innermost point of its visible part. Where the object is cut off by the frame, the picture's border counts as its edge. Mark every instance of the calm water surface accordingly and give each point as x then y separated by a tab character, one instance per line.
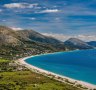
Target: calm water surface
80	65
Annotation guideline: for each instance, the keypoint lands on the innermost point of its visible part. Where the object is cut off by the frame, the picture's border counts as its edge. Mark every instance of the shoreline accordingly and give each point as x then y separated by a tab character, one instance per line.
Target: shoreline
55	76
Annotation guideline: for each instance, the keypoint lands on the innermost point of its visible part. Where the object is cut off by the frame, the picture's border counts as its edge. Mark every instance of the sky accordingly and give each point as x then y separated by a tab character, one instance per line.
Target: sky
58	18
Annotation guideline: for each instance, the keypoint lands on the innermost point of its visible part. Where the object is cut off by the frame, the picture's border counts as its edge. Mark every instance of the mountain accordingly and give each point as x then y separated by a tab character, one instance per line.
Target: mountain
35	36
8	36
16	44
74	43
26	42
92	43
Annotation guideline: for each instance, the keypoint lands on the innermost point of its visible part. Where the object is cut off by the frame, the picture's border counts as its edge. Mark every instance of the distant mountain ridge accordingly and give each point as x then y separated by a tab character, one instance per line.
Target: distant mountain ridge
92	43
8	36
28	42
17	43
35	36
77	44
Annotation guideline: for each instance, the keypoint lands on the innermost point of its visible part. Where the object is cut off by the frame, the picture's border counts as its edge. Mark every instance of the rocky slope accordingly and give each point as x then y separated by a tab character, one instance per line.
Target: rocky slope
75	43
8	36
35	36
16	44
92	43
26	42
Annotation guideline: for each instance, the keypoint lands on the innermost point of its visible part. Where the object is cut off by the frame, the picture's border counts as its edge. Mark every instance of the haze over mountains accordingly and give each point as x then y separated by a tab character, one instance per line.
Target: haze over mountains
77	43
26	41
92	43
10	36
31	42
35	36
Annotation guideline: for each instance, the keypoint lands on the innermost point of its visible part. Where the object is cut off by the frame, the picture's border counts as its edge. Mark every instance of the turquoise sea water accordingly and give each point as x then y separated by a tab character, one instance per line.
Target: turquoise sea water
80	65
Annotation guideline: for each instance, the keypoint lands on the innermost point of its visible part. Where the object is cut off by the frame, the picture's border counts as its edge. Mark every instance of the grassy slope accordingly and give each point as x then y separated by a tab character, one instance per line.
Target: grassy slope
27	80
17	44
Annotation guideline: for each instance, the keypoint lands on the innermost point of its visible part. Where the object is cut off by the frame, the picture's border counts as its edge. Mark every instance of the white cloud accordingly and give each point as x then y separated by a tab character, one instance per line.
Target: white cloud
63	37
3	20
87	37
0	10
20	5
32	18
78	9
49	11
32	5
57	19
37	7
16	28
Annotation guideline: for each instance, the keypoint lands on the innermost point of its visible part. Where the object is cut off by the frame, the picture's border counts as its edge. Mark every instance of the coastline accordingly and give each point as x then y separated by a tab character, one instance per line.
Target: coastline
58	77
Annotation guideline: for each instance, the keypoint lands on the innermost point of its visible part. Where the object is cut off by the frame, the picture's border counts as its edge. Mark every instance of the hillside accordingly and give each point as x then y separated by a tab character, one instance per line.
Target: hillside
18	77
18	44
75	43
15	44
8	36
92	43
31	35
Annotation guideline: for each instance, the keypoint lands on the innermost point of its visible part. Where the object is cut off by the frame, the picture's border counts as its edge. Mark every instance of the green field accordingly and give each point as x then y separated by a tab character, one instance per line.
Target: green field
3	61
27	80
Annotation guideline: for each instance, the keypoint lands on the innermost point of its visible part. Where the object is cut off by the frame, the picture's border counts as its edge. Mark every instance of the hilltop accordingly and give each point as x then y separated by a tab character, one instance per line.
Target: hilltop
15	44
26	42
74	43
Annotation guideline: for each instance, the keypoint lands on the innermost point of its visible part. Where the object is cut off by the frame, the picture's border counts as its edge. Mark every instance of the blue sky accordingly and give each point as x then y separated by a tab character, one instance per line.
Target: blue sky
62	17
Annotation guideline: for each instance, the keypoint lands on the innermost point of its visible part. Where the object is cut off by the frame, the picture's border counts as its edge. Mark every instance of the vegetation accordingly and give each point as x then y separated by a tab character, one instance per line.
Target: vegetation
14	45
17	44
26	80
15	52
23	79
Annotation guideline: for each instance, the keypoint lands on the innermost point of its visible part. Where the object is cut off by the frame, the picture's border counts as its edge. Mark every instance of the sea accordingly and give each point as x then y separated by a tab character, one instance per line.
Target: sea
77	64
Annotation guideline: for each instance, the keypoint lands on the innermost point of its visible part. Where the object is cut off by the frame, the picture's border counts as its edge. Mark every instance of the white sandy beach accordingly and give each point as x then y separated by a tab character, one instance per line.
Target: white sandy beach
45	72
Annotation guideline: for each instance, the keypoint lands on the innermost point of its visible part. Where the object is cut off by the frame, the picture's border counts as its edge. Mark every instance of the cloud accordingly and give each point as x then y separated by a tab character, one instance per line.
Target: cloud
72	18
0	10
63	37
32	18
4	20
20	5
49	11
16	28
79	9
86	37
